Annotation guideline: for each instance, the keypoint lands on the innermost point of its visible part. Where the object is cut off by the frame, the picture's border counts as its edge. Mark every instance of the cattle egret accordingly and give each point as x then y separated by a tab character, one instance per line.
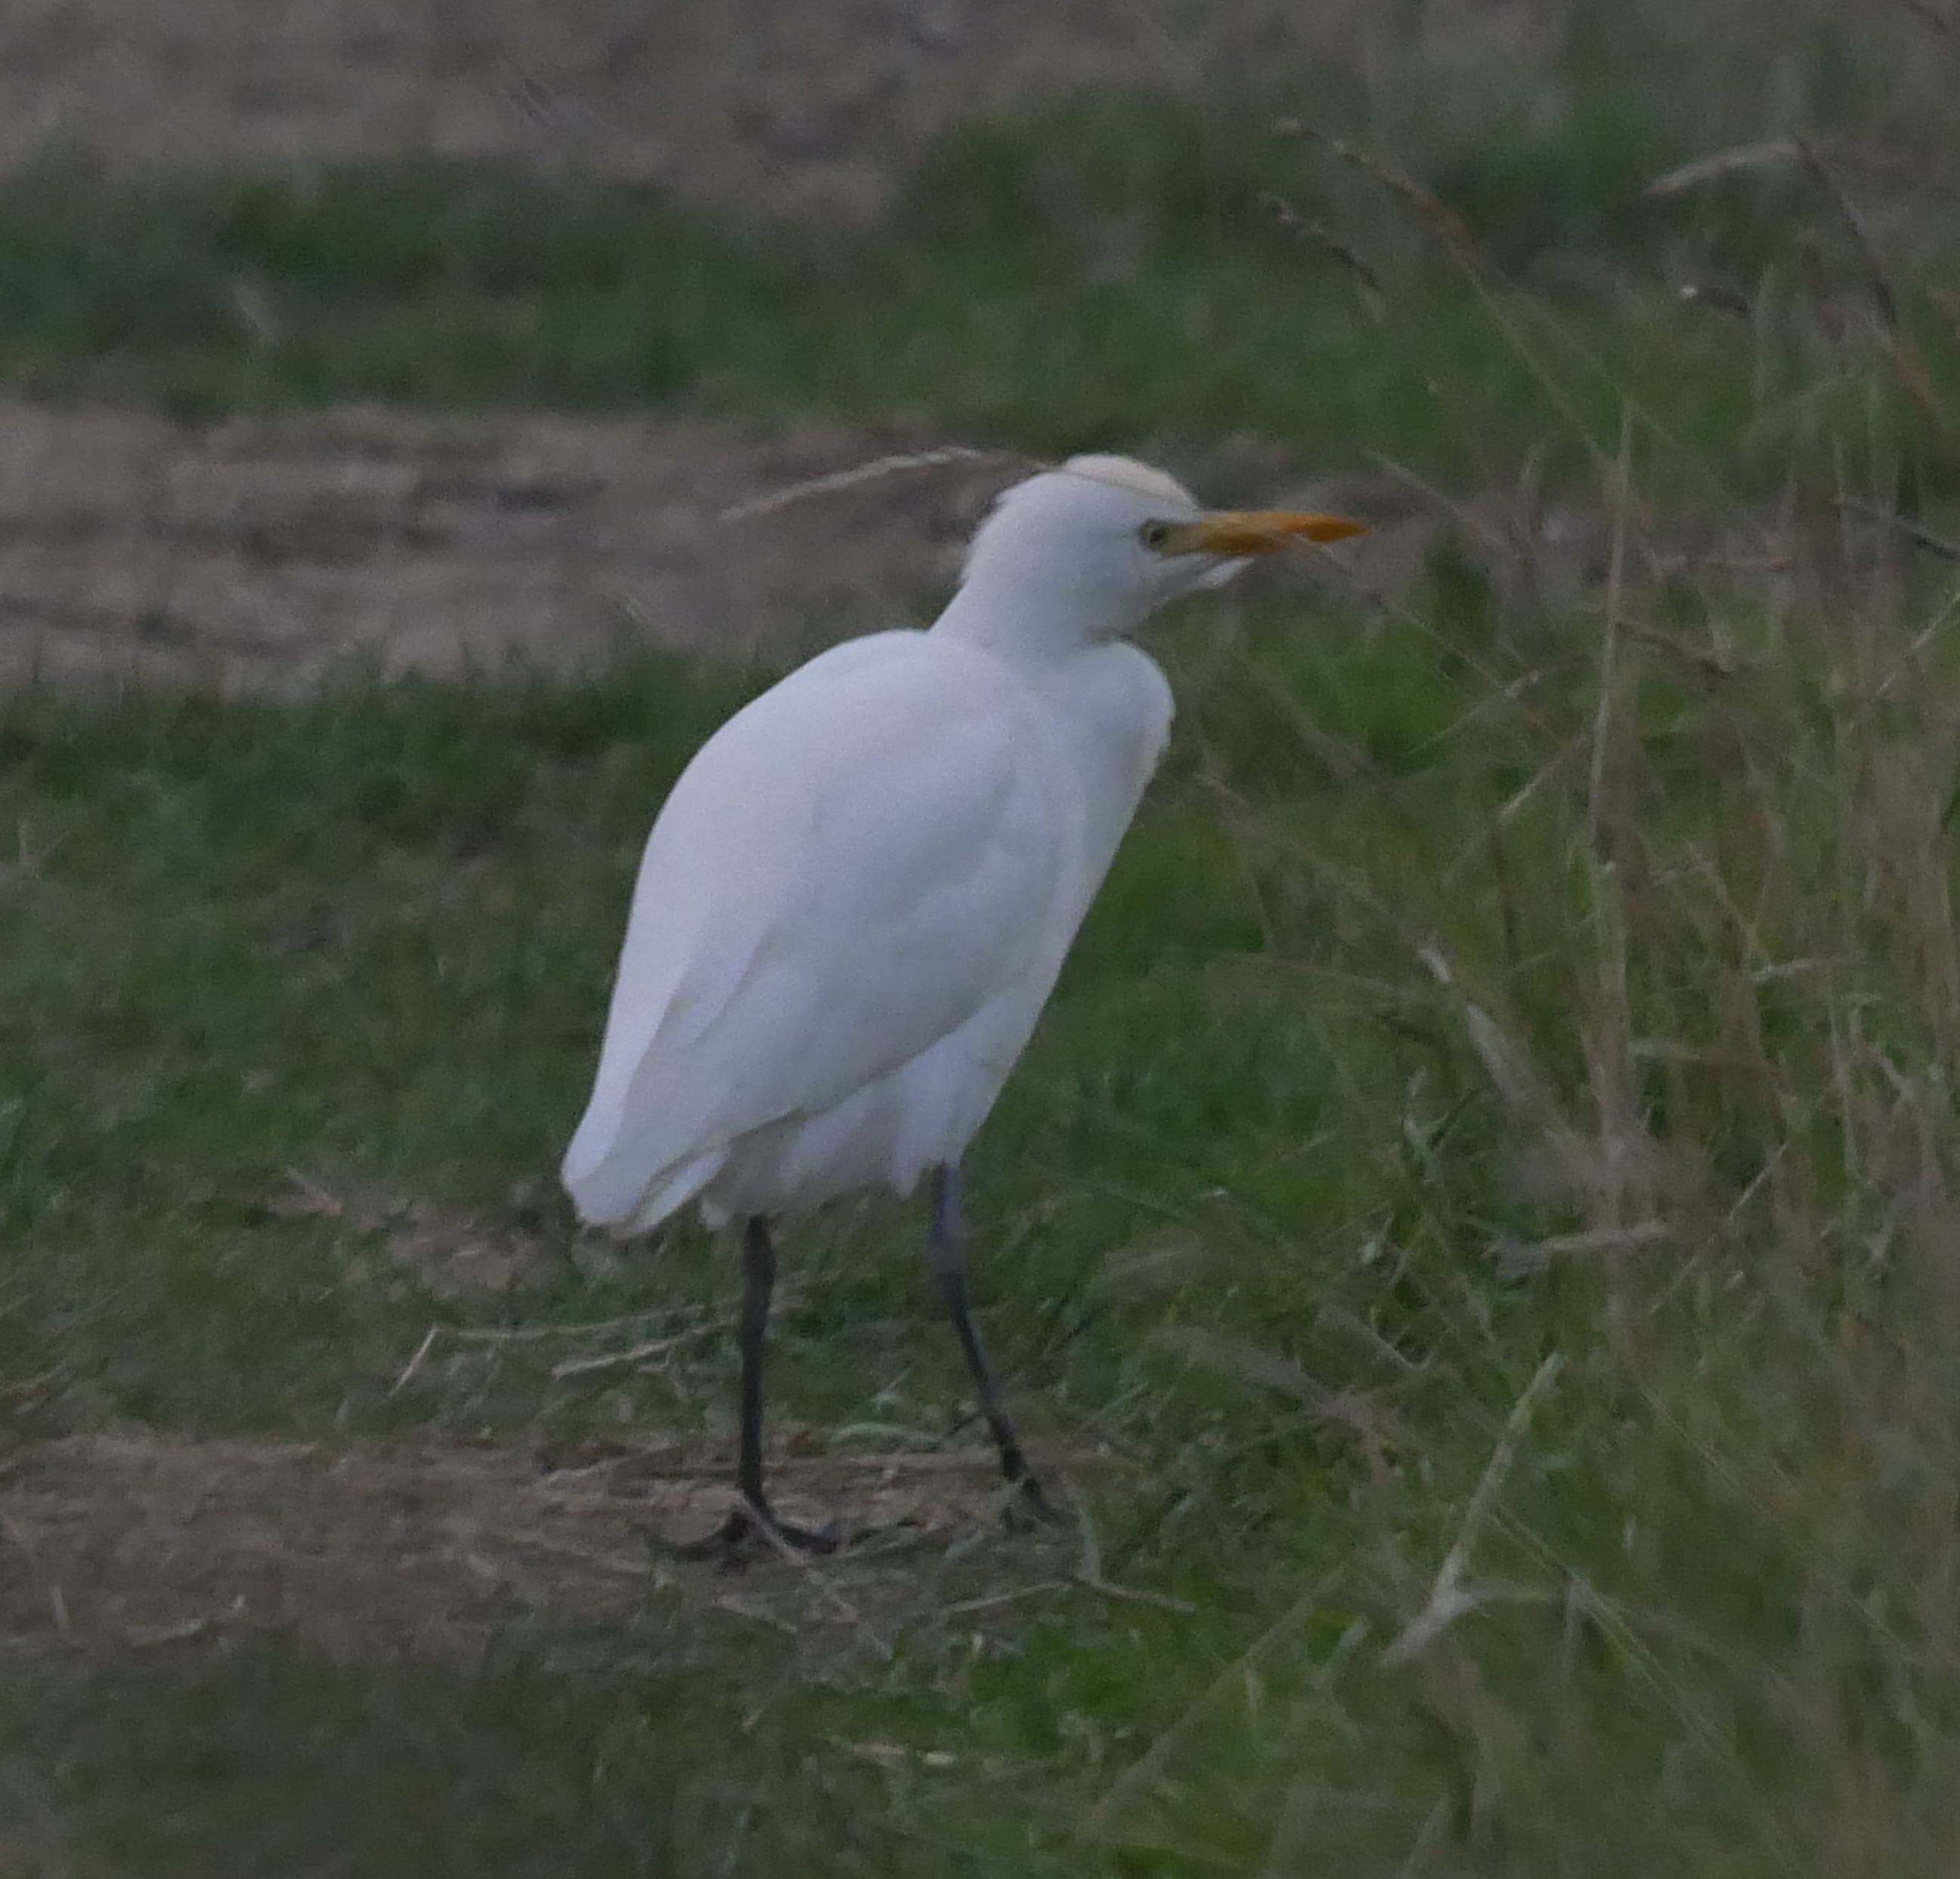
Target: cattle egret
856	899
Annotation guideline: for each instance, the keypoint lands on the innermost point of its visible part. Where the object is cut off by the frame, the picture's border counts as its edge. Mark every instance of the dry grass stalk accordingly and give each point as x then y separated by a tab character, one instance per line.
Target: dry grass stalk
1348	1408
899	463
1703	170
1434	213
1908	363
632	1357
1452	1595
1367	279
1509	311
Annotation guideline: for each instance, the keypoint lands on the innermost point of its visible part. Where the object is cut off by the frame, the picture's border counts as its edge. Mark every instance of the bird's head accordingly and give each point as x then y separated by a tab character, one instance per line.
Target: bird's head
1085	551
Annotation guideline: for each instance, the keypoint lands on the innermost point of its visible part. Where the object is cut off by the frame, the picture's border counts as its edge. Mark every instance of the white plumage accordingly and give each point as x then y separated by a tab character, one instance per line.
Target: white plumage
848	917
857	898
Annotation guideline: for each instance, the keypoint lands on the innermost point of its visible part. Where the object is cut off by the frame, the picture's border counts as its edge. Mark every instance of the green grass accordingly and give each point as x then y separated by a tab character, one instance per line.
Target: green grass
368	938
1678	1114
991	308
169	1057
1112	268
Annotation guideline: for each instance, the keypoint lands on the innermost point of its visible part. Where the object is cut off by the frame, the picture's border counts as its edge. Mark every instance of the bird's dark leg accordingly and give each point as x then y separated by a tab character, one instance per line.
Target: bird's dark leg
946	1252
759	1285
753	1522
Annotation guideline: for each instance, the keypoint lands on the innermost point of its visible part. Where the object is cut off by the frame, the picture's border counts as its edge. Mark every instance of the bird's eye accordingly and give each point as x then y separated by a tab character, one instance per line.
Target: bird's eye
1155	535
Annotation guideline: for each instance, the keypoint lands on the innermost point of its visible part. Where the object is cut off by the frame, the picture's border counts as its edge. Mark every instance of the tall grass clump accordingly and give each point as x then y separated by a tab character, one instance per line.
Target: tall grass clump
1657	1561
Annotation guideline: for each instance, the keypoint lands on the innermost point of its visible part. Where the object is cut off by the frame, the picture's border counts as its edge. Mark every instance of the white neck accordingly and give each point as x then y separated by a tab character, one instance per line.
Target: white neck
1029	613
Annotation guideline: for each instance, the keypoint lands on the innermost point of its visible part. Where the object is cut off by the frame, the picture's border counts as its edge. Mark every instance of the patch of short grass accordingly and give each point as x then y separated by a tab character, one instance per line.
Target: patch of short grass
365	943
1106	268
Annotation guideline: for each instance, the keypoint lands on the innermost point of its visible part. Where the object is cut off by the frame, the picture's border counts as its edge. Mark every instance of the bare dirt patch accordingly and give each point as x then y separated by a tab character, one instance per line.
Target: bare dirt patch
121	1543
767	107
257	555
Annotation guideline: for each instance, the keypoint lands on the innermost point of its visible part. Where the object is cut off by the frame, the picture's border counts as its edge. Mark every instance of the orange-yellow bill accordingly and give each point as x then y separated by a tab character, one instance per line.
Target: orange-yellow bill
1263	531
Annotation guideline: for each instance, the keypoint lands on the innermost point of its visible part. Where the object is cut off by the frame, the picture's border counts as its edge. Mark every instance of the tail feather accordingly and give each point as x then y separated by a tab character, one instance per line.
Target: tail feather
602	1199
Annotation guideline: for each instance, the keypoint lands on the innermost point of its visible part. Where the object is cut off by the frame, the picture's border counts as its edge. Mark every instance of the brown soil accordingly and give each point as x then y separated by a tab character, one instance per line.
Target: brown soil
257	554
125	1544
798	107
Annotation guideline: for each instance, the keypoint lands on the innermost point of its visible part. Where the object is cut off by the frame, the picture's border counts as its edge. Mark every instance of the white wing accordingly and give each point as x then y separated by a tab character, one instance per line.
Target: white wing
848	870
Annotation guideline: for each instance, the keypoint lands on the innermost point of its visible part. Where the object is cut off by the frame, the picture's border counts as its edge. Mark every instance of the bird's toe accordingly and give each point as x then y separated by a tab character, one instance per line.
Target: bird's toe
748	1534
1029	1507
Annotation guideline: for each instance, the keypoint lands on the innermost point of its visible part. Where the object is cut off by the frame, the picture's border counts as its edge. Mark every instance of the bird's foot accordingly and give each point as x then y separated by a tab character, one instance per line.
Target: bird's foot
749	1534
1029	1507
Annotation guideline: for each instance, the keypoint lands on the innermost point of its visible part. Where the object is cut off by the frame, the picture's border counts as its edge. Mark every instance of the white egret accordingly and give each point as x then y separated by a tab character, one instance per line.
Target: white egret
857	898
